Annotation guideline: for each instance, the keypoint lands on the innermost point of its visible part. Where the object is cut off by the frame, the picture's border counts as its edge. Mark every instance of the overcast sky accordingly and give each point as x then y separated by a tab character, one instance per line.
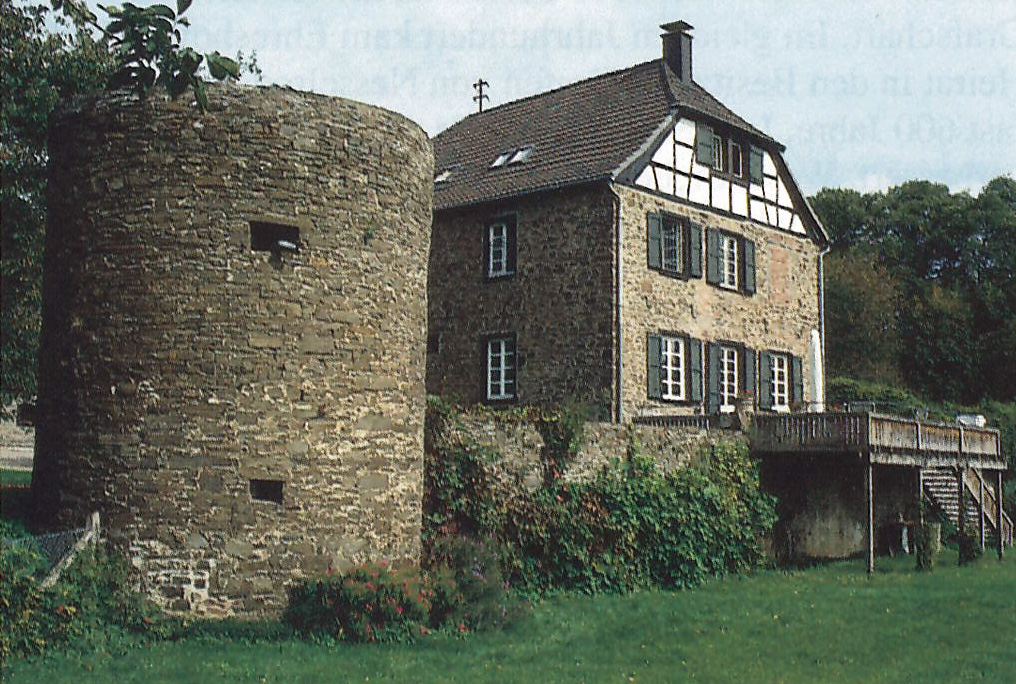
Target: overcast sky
864	94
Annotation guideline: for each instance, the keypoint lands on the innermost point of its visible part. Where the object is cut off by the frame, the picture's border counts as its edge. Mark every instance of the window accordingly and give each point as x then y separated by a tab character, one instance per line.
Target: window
728	379
731	374
443	176
521	155
781	381
675	245
779	374
719	153
736	159
501	247
501	159
672	368
730	261
501	365
675	367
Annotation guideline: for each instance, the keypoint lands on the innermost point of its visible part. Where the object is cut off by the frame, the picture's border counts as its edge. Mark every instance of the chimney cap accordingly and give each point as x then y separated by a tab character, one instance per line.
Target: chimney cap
679	26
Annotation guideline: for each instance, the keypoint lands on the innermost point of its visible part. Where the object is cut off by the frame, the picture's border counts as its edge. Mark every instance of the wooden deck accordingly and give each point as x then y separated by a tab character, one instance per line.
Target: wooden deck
882	439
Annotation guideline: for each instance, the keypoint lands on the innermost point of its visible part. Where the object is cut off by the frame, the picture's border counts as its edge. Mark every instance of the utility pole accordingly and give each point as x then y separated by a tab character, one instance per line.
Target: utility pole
480	96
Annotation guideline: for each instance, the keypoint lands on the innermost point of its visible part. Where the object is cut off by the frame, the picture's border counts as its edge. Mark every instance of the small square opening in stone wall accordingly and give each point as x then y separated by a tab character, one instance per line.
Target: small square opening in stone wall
274	237
266	490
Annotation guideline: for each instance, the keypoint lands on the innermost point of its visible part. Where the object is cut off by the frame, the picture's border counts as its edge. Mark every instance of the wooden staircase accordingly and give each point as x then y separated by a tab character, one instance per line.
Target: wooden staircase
940	486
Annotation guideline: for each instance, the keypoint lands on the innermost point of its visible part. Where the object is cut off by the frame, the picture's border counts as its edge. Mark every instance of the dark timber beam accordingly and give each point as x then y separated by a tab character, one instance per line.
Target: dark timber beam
870	501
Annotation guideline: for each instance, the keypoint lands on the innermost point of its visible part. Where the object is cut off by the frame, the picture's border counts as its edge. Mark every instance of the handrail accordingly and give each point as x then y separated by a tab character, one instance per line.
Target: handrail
993	498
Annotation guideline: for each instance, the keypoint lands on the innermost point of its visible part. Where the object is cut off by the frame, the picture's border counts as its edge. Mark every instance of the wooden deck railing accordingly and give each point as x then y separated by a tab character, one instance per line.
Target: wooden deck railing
870	433
985	495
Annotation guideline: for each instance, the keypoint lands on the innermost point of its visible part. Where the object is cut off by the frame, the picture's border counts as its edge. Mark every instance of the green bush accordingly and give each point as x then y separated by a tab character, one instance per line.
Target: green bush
470	591
629	527
924	547
376	602
970	548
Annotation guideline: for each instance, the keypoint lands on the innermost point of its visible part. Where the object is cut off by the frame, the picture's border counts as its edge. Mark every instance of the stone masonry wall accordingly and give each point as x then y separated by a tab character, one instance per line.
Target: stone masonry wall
186	376
778	317
558	302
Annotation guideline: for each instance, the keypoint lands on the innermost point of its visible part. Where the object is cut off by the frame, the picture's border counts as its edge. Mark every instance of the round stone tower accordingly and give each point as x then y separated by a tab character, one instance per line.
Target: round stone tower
234	335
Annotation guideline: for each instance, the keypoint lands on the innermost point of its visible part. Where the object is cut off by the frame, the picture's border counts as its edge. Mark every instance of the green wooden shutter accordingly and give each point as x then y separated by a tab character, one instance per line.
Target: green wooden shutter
797	371
748	383
654	246
755	165
749	266
712	257
703	144
765	380
511	258
694	370
694	250
713	378
654	352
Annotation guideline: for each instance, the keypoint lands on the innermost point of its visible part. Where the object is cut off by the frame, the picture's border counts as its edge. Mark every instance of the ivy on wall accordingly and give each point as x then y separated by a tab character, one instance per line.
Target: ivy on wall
628	527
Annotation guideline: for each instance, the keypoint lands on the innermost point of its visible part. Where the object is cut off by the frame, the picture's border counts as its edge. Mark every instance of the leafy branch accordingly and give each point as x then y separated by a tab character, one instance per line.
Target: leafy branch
146	43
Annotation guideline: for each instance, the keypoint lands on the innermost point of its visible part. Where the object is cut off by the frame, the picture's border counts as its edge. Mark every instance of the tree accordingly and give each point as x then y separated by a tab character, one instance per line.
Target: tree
39	68
140	48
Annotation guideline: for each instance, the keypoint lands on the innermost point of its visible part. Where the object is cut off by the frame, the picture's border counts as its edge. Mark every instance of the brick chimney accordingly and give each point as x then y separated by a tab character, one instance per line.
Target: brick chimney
677	49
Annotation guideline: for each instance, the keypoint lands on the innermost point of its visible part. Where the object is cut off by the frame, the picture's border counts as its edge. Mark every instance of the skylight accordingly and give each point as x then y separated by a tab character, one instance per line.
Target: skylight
521	155
501	159
443	176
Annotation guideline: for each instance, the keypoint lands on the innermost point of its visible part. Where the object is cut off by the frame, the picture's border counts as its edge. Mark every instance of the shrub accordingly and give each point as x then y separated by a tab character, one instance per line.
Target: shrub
376	602
970	548
470	591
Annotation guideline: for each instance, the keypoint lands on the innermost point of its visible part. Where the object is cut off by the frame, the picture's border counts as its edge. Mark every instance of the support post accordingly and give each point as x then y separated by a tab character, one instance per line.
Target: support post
870	501
998	514
961	513
980	509
920	496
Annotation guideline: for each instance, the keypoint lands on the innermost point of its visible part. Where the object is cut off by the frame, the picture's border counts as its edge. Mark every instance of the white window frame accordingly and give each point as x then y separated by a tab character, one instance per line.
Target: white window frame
501	368
729	382
736	156
672	374
779	374
672	231
719	153
497	250
522	154
729	261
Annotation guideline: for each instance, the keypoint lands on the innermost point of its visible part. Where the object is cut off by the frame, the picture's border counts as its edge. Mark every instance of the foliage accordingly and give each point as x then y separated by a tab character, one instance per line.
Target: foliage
40	66
93	594
969	548
471	592
629	527
921	288
376	602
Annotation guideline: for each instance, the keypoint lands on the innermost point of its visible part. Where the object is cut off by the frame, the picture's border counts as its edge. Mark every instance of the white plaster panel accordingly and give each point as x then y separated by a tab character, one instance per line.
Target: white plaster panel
739	200
665	180
768	166
769	188
796	225
681	185
682	159
758	211
665	152
701	170
785	217
721	194
684	131
699	191
646	178
784	196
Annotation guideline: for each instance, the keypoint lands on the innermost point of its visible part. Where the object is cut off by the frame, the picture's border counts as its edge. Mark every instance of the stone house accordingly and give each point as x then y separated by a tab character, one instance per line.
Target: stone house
627	242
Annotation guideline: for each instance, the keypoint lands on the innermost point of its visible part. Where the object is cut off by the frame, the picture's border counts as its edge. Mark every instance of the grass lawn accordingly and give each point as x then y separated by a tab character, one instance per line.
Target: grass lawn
15	478
827	624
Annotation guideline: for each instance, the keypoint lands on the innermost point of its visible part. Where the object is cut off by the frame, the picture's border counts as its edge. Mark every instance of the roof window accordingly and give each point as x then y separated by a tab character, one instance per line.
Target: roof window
521	155
443	176
501	159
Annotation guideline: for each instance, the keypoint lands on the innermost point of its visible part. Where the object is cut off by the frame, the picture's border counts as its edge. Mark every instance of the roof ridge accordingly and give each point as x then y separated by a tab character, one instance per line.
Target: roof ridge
545	93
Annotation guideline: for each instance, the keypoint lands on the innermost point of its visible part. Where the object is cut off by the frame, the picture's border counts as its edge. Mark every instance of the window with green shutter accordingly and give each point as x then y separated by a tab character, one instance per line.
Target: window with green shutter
694	370
695	250
755	165
797	373
748	281
730	261
654	352
673	245
674	367
765	380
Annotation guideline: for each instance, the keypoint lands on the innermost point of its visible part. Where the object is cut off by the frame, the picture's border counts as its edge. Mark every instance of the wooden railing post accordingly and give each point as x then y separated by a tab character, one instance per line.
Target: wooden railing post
980	508
869	498
961	513
998	514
